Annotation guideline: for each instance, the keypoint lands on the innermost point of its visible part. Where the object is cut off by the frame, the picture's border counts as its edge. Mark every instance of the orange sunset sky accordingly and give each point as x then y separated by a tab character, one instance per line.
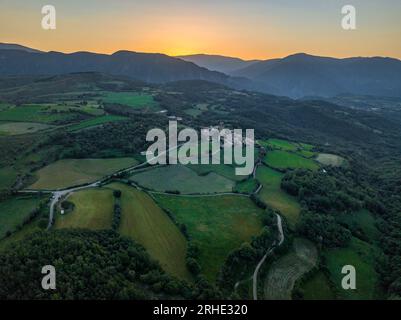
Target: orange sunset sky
256	29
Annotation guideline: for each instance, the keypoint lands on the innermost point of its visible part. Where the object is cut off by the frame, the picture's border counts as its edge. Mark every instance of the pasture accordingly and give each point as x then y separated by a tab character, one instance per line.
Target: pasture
274	196
246	186
361	255
283	273
33	113
217	224
286	160
182	179
143	221
93	210
14	210
72	172
280	144
317	287
131	99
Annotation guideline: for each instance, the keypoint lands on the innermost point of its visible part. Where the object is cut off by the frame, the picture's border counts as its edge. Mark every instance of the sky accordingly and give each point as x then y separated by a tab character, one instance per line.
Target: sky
249	29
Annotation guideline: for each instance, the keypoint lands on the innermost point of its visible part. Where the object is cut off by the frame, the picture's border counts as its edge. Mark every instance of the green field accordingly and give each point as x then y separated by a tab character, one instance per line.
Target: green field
318	288
13	211
7	177
71	172
330	159
274	196
19	235
280	144
143	221
14	128
183	179
306	153
217	224
246	186
283	273
95	122
131	99
286	160
361	255
93	210
33	113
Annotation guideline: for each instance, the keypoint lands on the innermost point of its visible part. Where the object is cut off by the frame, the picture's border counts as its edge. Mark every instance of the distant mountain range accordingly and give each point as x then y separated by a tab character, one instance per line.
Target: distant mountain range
13	46
302	75
218	63
295	76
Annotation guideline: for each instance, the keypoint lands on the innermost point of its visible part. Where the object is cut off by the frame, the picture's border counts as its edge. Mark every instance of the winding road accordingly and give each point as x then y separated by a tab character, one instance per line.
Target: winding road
259	265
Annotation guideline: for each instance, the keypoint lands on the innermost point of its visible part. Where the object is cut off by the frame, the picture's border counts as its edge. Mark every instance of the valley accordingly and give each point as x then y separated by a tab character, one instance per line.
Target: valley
74	166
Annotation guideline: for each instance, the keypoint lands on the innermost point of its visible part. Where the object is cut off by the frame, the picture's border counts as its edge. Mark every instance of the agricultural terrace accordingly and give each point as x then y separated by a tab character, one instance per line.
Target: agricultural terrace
285	271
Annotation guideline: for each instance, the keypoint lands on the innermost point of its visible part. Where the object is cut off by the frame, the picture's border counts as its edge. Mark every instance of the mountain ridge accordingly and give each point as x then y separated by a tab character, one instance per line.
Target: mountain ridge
295	76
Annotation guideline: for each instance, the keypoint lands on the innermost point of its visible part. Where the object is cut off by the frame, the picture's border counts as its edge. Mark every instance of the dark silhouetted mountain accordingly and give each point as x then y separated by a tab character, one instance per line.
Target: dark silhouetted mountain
223	64
302	75
12	46
149	67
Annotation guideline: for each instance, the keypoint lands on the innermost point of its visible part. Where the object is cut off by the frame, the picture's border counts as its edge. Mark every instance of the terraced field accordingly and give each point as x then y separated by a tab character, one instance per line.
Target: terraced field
143	221
71	172
182	179
217	224
93	210
274	196
283	273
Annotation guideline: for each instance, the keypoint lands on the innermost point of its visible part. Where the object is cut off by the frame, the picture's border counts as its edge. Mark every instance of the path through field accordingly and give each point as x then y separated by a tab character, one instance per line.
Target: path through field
280	241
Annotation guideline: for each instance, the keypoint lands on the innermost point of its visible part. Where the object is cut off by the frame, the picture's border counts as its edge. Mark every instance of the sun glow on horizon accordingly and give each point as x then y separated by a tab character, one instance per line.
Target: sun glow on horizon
251	30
